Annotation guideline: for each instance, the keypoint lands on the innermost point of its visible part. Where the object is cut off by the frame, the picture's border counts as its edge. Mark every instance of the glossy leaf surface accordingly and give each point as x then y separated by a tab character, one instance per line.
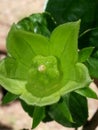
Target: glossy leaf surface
60	111
41	23
72	10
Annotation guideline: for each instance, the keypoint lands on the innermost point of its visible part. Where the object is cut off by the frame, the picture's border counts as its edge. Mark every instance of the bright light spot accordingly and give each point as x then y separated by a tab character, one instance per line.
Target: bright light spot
41	68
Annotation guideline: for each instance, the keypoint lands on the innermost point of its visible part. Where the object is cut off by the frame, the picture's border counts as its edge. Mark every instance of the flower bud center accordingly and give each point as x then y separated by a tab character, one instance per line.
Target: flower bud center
41	68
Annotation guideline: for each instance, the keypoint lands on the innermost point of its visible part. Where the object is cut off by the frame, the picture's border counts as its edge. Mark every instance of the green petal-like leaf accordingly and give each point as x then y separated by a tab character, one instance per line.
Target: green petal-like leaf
52	94
64	45
29	98
78	79
75	75
87	92
52	68
24	45
15	69
12	85
62	38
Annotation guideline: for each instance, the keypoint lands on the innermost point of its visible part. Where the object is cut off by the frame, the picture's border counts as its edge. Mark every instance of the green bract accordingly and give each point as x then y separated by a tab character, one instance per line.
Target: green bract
41	70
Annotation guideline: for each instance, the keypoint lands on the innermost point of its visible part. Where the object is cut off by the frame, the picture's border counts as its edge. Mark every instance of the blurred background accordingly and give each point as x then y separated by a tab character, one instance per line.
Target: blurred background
12	116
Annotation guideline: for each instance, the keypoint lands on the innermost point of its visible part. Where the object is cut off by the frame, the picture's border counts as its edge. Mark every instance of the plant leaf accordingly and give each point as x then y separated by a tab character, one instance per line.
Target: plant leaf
85	53
78	106
61	41
41	23
75	108
67	11
15	69
24	45
64	44
9	97
12	85
90	38
27	108
38	115
87	92
61	111
79	78
92	65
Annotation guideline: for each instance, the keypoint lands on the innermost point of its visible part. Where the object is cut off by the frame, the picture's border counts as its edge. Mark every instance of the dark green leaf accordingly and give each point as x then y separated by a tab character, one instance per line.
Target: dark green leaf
76	107
61	111
89	38
41	23
47	116
92	65
9	97
27	108
87	92
72	10
38	115
85	53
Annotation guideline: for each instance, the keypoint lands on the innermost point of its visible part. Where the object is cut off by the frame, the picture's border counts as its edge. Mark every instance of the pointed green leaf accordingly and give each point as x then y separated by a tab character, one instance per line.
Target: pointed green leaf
38	115
64	41
9	97
27	108
55	82
85	53
12	85
61	110
63	37
87	92
74	106
24	45
79	78
79	109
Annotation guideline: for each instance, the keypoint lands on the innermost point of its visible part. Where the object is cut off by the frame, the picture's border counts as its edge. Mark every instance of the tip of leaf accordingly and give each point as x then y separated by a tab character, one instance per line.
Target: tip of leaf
78	22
